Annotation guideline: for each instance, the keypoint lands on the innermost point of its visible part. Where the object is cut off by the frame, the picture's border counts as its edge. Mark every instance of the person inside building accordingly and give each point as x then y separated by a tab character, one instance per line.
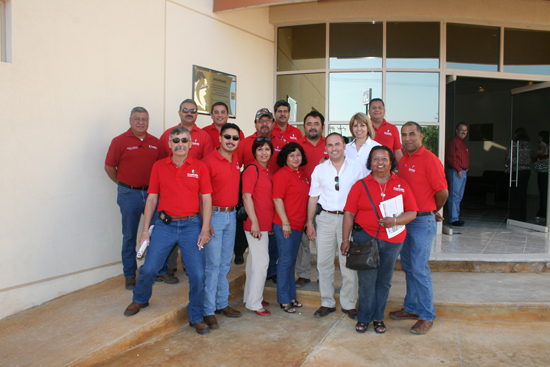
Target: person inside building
457	158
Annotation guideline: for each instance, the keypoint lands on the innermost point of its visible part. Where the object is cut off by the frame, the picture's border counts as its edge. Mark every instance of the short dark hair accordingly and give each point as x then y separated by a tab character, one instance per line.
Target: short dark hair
382	147
316	114
138	109
260	142
335	133
461	123
376	100
412	123
188	100
180	130
280	103
290	148
230	125
218	104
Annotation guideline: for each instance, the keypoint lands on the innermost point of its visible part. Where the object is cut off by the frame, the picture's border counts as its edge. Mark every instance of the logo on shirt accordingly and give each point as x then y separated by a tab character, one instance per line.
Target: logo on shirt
152	147
192	174
293	137
399	188
411	169
132	148
195	142
387	132
277	149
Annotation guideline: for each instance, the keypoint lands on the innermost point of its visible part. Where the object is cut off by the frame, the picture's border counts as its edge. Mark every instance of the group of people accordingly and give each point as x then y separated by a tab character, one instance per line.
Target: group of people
295	189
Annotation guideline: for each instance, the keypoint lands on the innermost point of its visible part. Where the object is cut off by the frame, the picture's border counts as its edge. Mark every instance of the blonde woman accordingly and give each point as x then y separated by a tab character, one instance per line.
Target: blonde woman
363	138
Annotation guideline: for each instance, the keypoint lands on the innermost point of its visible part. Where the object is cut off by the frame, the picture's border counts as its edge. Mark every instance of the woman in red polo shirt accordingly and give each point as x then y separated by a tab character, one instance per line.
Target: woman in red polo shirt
290	196
374	285
258	202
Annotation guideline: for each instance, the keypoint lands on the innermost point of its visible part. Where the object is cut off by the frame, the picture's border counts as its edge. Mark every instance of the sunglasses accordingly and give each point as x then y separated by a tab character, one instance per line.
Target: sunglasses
177	140
263	139
337	184
189	110
234	137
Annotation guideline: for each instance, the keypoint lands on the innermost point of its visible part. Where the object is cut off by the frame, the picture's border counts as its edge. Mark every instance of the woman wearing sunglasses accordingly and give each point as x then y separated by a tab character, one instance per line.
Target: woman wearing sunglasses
290	195
258	202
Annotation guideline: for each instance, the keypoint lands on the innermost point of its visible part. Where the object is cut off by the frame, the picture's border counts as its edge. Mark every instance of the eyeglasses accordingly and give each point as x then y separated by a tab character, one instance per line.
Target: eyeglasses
234	137
337	184
189	110
177	140
263	139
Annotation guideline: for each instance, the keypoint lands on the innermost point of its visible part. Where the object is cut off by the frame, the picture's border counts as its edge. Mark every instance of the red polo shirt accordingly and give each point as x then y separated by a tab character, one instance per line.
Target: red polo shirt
245	151
133	157
313	155
359	204
293	187
261	188
202	143
424	172
225	178
292	134
214	134
179	187
388	135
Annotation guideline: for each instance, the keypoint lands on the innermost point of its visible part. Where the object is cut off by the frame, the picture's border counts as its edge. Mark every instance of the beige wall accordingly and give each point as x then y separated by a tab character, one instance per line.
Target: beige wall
78	67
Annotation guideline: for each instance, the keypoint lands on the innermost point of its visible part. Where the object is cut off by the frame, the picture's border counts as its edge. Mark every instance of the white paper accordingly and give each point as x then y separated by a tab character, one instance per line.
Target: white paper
144	244
393	208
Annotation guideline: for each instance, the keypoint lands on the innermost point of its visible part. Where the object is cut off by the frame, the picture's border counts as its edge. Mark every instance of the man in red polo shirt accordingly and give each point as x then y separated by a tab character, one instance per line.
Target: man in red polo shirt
128	164
219	116
180	185
202	143
424	173
282	128
225	176
313	144
386	133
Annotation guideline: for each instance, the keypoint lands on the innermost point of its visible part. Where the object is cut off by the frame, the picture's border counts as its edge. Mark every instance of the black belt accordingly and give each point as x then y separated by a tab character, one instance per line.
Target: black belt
229	209
333	212
142	188
421	214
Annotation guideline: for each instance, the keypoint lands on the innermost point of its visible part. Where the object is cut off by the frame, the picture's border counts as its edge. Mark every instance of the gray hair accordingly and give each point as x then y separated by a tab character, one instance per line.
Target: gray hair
138	109
188	100
180	130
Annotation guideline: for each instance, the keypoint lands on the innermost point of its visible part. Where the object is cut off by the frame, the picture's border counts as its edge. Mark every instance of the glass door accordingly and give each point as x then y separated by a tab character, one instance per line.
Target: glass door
526	159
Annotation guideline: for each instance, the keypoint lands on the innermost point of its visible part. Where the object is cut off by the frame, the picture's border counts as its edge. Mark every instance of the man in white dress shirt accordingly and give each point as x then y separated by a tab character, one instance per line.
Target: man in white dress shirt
331	182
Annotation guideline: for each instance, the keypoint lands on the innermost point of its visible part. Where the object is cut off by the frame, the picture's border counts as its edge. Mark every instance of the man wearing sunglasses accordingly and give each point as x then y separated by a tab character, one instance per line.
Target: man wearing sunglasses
180	185
331	182
225	175
202	142
219	114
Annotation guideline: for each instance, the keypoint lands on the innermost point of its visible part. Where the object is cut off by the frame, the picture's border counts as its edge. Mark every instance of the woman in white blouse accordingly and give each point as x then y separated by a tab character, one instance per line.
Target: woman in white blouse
363	138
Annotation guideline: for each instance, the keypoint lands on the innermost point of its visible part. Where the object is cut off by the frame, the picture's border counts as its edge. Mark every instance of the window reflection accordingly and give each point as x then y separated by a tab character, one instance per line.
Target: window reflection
461	52
355	45
526	51
412	96
413	45
308	90
346	93
301	47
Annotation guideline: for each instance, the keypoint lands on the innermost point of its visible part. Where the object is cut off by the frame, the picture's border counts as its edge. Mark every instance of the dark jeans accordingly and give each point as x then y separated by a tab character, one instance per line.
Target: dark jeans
288	251
375	284
543	193
240	239
518	196
273	256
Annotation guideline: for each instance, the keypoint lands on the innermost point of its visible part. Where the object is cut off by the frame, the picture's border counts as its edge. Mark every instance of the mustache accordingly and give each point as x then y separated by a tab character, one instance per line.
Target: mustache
180	147
189	116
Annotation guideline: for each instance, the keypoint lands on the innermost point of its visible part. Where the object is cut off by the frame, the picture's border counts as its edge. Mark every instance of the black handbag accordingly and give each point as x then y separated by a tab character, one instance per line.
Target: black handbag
364	255
242	215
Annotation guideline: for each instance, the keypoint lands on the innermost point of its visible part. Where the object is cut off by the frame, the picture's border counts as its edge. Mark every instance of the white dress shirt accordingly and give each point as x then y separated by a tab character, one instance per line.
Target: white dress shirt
362	155
323	183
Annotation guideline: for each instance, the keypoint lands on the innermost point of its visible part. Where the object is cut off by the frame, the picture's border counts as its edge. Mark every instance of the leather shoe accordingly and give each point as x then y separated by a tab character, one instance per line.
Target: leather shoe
421	327
130	283
239	259
229	312
168	279
300	282
273	278
171	271
458	223
211	321
403	315
134	308
323	311
352	314
200	327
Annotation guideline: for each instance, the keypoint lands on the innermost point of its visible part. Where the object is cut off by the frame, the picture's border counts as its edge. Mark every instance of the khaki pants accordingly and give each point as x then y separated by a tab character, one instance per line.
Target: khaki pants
329	238
256	271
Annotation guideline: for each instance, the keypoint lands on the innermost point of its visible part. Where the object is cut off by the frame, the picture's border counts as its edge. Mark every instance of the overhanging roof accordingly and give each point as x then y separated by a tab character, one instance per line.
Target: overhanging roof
225	5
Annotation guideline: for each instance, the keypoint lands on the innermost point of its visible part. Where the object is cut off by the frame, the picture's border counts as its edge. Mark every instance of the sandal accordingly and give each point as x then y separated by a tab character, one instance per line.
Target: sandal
379	327
287	308
361	327
295	303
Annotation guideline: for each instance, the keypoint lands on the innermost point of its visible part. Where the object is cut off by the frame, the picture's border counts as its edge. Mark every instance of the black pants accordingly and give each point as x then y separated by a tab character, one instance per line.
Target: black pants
518	196
543	193
240	239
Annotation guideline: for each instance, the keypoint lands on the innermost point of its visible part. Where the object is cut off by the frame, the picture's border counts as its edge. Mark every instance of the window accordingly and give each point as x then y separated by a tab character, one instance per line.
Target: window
412	97
526	51
412	45
307	92
301	47
461	54
346	93
355	45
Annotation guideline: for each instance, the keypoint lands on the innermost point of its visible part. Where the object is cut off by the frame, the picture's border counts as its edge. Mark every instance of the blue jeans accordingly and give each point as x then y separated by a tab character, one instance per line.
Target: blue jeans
288	251
273	256
185	234
414	260
219	252
375	284
456	192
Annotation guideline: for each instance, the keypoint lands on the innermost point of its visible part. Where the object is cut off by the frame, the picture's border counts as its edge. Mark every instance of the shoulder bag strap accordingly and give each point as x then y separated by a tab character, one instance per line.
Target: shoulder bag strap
373	207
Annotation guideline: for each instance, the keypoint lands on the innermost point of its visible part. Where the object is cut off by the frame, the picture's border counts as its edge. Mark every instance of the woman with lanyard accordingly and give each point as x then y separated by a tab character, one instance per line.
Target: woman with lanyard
258	202
382	184
363	134
290	196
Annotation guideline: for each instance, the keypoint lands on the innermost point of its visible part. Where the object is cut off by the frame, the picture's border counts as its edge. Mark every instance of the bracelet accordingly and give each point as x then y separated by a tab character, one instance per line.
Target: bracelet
286	224
345	240
145	232
395	218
